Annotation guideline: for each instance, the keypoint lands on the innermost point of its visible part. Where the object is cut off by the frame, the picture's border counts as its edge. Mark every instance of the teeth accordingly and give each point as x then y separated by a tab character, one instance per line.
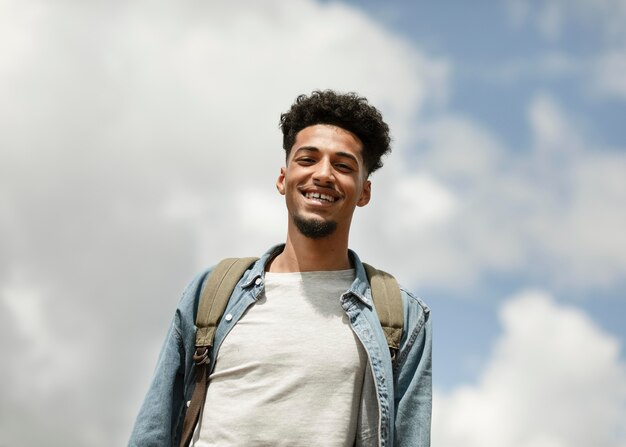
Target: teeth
316	195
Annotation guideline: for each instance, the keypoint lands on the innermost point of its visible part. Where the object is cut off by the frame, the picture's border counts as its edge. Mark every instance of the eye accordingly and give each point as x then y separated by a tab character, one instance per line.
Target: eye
343	167
305	161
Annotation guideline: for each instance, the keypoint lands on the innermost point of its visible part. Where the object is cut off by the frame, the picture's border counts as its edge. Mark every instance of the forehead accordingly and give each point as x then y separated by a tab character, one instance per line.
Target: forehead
327	137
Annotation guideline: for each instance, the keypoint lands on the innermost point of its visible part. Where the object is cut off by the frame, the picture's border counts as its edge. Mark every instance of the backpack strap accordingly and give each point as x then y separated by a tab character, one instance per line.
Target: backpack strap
217	290
388	304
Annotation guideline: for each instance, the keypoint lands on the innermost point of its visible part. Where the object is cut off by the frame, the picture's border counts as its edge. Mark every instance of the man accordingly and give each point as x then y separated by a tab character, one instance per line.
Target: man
299	355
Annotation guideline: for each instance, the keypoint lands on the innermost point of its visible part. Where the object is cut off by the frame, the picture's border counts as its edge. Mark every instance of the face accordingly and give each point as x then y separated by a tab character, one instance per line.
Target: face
324	181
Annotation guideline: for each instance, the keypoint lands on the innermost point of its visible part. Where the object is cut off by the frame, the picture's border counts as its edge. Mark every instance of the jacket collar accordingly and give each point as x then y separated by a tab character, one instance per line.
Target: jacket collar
360	286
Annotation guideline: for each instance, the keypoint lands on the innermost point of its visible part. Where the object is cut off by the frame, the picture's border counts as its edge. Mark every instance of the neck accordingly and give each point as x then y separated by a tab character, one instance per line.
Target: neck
303	254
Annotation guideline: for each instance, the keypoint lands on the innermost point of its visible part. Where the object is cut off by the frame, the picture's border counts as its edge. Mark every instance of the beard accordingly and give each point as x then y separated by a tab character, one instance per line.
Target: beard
313	228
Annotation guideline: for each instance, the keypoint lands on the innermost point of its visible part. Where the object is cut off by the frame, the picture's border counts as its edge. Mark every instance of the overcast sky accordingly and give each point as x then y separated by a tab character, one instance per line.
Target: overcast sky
139	144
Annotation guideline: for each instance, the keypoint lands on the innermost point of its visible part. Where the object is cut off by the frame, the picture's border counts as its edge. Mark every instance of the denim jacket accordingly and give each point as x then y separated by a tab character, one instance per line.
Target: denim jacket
395	407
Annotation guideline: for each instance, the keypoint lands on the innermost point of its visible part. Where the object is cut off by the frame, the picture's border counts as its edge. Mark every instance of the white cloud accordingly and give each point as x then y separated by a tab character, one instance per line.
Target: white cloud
554	379
424	203
601	72
552	212
25	308
441	226
139	142
545	66
609	76
606	17
550	128
550	20
42	368
135	142
578	193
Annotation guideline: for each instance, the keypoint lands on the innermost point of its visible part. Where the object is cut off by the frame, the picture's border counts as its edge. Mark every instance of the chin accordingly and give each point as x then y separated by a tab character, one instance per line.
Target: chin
314	228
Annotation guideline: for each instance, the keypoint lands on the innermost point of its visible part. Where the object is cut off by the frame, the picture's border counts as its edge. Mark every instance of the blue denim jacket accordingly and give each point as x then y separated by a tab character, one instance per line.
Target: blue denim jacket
395	407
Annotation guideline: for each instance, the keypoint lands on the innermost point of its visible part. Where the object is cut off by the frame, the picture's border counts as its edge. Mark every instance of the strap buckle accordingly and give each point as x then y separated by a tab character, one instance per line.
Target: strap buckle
201	356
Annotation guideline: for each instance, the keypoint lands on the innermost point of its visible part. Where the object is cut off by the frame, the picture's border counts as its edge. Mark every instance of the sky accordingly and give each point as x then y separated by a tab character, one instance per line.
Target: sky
139	144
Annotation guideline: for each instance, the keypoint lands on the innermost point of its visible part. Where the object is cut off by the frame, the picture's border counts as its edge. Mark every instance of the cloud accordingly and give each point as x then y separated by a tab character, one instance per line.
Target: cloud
541	67
551	212
45	366
579	192
452	157
554	379
600	71
608	73
139	144
552	16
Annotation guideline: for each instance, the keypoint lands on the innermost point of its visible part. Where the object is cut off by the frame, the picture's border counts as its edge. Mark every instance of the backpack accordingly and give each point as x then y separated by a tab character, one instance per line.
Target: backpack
215	295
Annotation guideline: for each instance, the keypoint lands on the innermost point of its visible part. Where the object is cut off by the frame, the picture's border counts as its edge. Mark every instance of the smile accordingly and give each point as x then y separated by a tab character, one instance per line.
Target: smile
318	196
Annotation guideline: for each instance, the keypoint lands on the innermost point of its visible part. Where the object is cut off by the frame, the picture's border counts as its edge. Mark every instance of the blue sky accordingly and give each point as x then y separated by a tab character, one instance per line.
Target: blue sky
485	44
139	144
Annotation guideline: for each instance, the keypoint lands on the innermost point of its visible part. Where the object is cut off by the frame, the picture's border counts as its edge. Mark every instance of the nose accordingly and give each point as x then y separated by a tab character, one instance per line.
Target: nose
323	174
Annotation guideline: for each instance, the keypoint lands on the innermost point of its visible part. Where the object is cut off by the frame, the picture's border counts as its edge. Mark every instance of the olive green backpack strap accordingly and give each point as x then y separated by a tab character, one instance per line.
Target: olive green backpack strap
217	290
388	304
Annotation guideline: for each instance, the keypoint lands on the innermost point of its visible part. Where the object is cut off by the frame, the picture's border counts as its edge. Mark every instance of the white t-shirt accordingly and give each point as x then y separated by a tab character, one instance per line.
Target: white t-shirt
290	371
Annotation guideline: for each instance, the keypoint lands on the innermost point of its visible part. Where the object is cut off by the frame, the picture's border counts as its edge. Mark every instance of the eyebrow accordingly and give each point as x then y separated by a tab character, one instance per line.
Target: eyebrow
340	153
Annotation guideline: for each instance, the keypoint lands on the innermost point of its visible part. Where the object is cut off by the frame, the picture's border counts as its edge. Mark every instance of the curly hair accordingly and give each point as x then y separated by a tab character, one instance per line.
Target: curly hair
348	111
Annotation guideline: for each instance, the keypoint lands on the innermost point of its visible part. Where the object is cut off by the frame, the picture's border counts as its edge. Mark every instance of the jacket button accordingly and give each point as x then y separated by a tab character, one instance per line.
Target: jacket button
258	281
228	317
188	403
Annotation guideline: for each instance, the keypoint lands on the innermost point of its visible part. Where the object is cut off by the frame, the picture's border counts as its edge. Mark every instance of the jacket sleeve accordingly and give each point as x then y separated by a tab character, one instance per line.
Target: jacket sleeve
413	390
160	412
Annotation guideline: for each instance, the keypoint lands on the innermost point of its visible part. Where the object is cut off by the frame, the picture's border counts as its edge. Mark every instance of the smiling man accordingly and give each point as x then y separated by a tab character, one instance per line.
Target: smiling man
299	356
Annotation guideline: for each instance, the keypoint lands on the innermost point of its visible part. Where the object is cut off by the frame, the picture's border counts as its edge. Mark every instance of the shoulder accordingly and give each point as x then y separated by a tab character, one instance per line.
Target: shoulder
416	311
416	335
188	304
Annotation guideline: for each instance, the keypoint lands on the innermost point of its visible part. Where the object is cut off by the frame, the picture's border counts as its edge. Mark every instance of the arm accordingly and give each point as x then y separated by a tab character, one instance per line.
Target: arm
413	390
163	404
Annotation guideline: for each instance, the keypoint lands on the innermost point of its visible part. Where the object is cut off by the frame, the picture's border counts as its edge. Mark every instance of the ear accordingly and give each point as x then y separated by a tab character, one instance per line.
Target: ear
366	194
280	182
